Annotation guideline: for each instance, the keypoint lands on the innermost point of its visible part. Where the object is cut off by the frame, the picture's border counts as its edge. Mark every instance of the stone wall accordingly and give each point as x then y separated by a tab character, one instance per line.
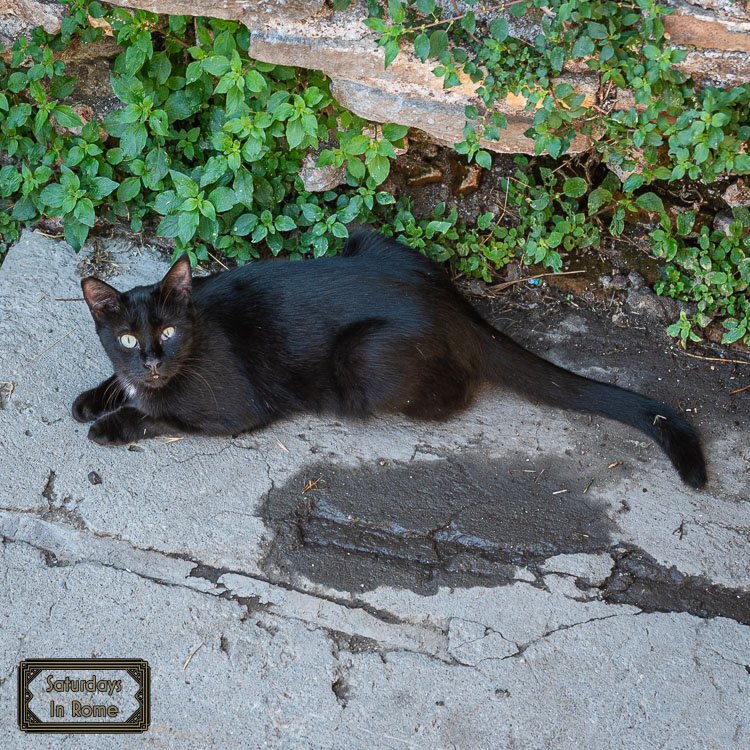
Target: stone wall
308	34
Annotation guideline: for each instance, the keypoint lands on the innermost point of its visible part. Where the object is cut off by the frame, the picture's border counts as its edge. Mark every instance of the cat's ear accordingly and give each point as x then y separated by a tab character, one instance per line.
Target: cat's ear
178	281
100	297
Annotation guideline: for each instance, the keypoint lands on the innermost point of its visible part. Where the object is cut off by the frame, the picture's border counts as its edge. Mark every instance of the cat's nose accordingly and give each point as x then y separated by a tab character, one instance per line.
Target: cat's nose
152	363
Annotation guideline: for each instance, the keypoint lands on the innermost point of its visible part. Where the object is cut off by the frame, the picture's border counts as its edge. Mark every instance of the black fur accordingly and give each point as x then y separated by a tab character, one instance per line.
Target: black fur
378	329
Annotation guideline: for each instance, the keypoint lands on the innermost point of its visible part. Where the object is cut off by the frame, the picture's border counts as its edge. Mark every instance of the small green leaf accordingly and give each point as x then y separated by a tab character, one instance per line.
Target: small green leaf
284	223
734	332
379	168
223	198
259	233
438	43
597	30
484	159
356	168
245	224
650	202
575	187
66	116
158	122
16	82
53	195
216	65
254	81
339	230
685	222
391	52
84	212
183	103
295	133
128	89
597	198
701	153
187	223
716	278
24	210
393	132
214	170
540	203
129	188
583	47
422	47
186	187
207	210
243	187
133	140
165	202
499	29
720	119
356	145
633	182
75	232
437	227
168	226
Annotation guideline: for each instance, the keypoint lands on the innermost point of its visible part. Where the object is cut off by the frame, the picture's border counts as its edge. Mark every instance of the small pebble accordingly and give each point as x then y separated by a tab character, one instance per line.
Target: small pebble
619	282
722	222
636	280
620	320
94	478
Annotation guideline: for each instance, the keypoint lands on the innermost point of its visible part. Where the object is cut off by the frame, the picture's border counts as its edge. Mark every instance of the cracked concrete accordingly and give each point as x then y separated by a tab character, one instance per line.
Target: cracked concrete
513	578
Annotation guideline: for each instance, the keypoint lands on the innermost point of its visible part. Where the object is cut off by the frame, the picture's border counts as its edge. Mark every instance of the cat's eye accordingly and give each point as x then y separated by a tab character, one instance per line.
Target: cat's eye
167	333
128	340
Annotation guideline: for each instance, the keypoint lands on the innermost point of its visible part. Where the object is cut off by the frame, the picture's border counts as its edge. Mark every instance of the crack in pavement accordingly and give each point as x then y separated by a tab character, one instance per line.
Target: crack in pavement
70	546
351	625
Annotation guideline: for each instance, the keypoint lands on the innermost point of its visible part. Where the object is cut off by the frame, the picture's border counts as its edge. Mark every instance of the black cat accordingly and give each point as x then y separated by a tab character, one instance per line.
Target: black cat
378	329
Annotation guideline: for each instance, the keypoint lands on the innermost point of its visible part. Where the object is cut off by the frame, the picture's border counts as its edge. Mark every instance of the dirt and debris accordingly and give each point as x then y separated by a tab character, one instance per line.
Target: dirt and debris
99	262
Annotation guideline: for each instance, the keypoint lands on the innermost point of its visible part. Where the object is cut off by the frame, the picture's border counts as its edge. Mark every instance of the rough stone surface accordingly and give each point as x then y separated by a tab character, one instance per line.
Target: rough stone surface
708	31
738	193
406	92
306	33
319	179
581	596
250	11
20	16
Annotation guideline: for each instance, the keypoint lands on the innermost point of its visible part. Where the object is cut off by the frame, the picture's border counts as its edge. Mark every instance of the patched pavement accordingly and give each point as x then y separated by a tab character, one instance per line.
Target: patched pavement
517	577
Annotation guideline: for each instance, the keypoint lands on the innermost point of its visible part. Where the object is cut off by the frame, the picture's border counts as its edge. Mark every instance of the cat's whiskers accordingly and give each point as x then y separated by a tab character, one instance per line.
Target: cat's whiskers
110	394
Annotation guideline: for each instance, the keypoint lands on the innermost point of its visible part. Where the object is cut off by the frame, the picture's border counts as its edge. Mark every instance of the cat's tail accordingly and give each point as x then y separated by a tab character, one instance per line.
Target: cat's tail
511	365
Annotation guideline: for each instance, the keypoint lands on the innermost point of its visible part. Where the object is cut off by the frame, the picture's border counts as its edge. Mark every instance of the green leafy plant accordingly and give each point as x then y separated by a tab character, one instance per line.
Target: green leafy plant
207	147
671	129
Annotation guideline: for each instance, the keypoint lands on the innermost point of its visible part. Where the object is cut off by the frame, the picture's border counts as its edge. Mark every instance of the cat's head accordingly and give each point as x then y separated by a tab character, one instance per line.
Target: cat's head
147	331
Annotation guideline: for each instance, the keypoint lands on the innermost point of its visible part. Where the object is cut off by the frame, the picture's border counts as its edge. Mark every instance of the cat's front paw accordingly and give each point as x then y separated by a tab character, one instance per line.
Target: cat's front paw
87	407
110	430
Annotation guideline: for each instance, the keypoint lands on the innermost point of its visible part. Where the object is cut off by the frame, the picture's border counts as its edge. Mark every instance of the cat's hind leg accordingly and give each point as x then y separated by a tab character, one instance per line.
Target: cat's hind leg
106	397
441	388
380	367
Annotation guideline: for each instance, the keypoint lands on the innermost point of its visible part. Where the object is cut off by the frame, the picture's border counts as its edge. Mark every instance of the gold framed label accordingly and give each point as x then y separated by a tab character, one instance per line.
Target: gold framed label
96	696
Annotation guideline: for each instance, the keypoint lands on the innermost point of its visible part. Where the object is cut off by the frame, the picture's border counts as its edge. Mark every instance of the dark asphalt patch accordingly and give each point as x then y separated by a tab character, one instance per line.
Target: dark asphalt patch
464	521
446	522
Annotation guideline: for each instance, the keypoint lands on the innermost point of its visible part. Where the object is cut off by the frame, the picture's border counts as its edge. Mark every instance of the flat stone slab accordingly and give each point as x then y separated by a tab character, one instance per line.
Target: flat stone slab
515	577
